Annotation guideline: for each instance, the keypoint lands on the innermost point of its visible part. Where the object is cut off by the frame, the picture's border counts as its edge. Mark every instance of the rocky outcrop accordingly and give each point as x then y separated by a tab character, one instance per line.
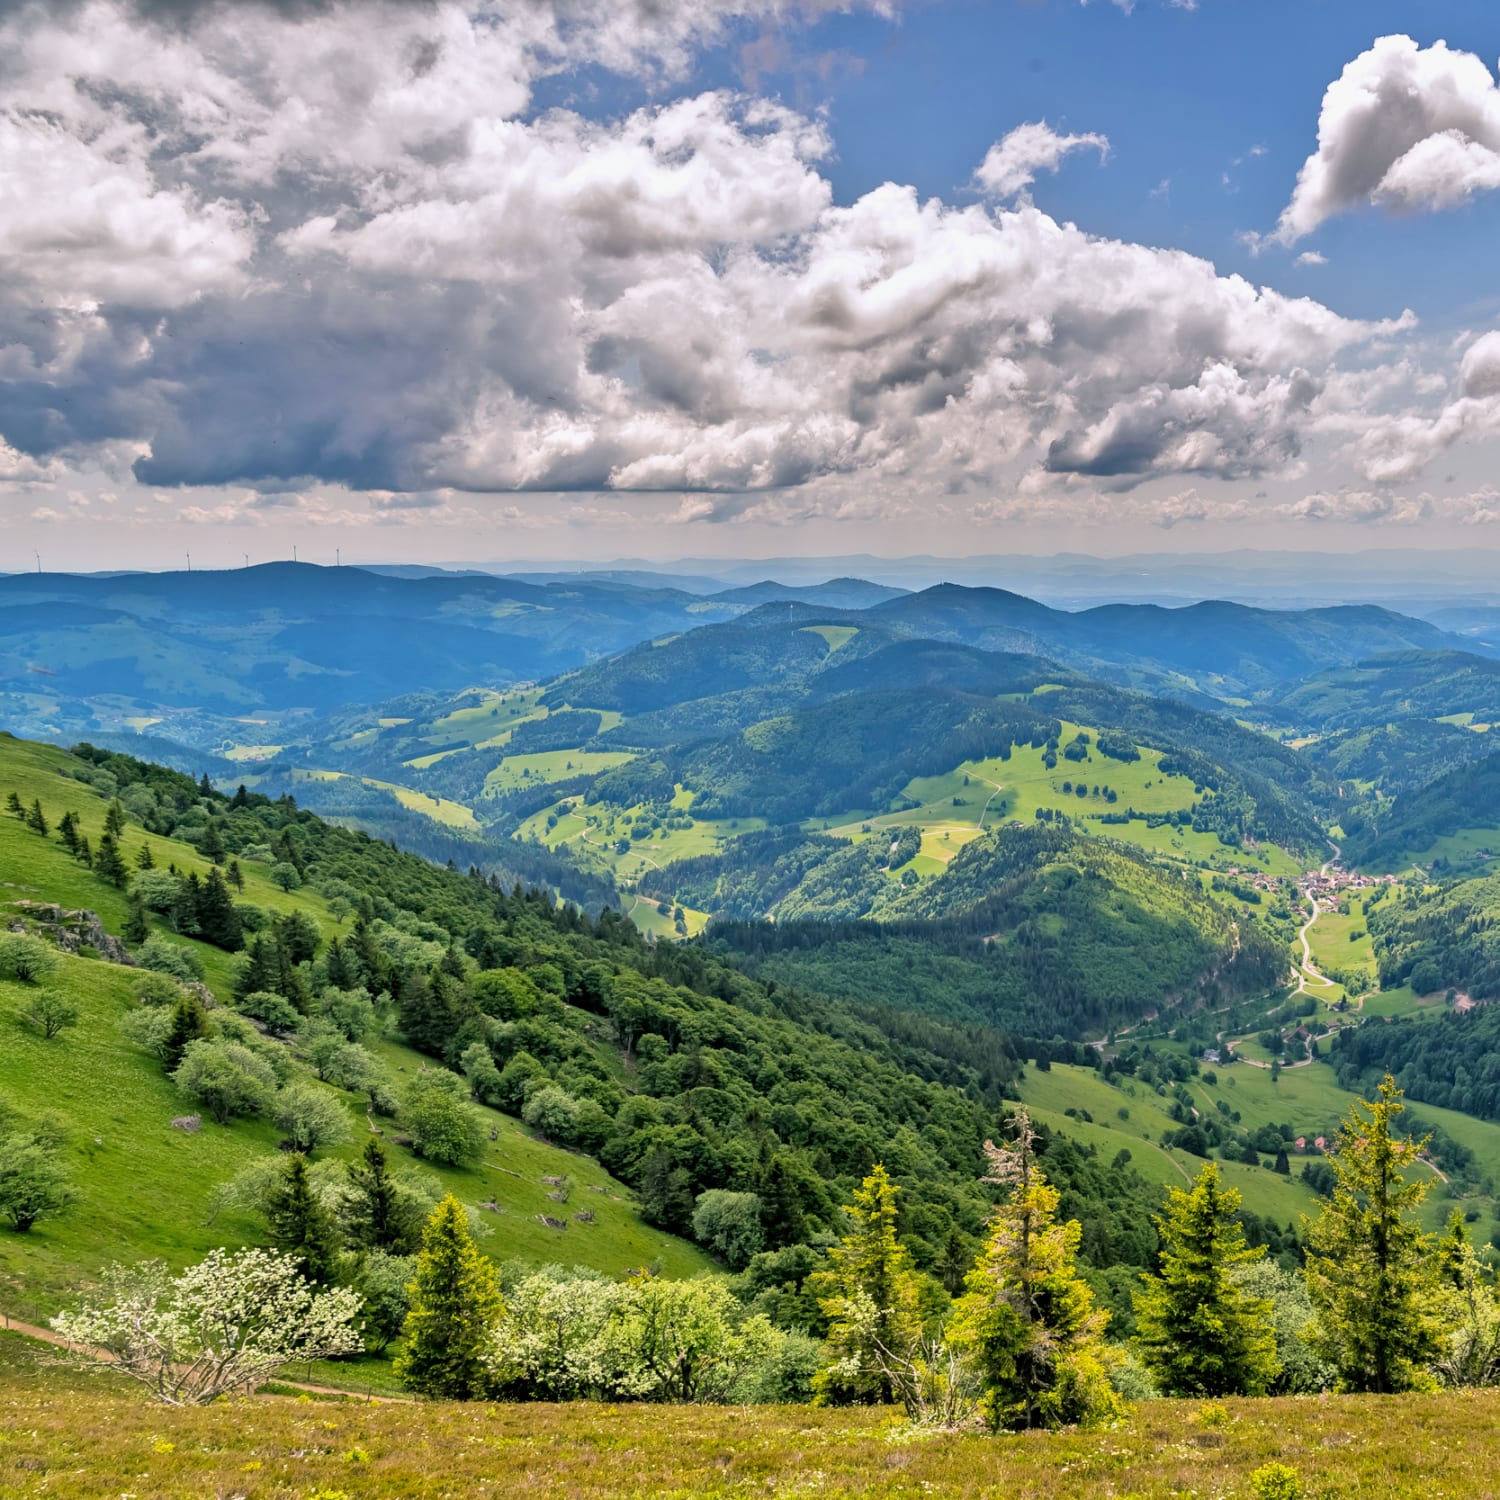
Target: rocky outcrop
73	931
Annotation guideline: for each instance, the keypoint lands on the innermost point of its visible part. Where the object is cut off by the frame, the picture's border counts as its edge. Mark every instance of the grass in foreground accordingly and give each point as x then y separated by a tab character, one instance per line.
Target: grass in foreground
72	1436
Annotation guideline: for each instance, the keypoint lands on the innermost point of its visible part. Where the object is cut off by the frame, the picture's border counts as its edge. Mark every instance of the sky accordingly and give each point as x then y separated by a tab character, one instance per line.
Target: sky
405	280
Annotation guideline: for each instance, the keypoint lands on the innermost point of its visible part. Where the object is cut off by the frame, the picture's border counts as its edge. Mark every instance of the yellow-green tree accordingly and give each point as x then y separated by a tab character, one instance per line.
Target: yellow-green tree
1197	1330
871	1300
455	1304
1028	1321
1372	1271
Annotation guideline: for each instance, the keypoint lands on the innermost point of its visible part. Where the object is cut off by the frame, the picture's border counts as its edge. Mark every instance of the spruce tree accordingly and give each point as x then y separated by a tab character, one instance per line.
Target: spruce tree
212	846
83	854
1028	1320
114	818
13	805
185	905
235	875
299	1223
189	1023
145	859
378	1215
1198	1332
67	831
108	863
260	970
872	1309
781	1204
455	1305
1371	1268
137	926
218	921
36	819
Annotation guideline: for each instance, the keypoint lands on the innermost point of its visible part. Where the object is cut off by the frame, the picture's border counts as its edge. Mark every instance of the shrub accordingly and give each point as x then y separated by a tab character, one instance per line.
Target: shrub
223	1326
275	1012
1275	1482
442	1125
26	958
311	1117
227	1078
553	1113
33	1181
164	957
729	1224
50	1013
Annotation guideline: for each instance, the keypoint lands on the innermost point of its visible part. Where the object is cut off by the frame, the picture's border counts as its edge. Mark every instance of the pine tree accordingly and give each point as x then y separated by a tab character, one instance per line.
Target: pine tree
189	1023
872	1309
108	863
341	973
1028	1320
13	805
212	845
1283	1163
145	859
185	905
1196	1330
259	969
1371	1268
137	926
205	786
218	921
235	875
455	1305
114	818
67	831
378	1215
36	819
299	1223
83	854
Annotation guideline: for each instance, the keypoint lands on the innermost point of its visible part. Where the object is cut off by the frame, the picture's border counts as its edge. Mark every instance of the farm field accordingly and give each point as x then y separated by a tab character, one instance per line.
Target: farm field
1308	1099
517	771
439	809
78	1437
985	794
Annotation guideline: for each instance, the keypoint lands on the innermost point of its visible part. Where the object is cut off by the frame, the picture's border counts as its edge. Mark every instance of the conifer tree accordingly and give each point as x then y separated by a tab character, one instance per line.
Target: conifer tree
260	970
108	863
145	859
455	1305
185	906
1028	1320
13	804
218	921
189	1023
300	1225
873	1316
379	1216
83	854
1371	1268
137	926
235	875
36	819
114	818
1197	1330
67	831
212	845
781	1204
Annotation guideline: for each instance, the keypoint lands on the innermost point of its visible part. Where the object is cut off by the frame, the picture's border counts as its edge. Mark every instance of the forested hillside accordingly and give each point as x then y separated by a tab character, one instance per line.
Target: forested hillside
679	1073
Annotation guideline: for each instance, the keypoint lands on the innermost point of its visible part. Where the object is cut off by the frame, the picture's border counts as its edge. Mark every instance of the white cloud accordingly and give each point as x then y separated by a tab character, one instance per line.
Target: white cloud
1403	127
1312	258
340	250
1012	163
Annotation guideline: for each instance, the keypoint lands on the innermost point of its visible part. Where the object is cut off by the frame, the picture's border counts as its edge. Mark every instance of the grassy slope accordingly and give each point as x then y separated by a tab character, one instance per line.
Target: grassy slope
1308	1099
80	1438
143	1187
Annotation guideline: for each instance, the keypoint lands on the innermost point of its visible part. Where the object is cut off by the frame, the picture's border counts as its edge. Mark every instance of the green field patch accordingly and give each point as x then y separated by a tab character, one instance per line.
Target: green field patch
251	752
837	636
439	809
517	771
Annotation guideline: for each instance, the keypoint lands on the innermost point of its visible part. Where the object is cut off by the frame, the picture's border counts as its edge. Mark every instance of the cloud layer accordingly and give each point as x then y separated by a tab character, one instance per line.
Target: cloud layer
325	243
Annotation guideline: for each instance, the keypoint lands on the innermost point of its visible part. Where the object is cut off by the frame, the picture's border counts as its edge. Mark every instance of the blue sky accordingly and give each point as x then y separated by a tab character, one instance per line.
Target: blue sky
725	277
